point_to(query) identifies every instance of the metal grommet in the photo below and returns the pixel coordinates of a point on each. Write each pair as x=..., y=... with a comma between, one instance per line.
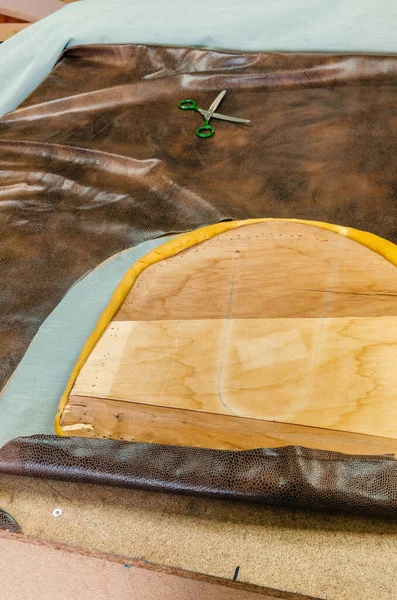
x=56, y=512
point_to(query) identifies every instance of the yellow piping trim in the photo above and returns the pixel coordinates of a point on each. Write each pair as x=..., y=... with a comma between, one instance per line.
x=379, y=245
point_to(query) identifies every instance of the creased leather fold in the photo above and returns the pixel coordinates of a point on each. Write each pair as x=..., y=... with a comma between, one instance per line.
x=99, y=158
x=290, y=476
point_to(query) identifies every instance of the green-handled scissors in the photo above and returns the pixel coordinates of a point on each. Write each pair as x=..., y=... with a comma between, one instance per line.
x=206, y=130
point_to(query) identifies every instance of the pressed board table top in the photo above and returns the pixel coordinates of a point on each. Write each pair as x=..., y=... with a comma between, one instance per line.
x=288, y=554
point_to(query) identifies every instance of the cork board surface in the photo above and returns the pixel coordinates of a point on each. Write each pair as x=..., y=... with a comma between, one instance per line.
x=316, y=555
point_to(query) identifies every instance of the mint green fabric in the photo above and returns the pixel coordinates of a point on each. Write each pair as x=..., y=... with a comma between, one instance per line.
x=29, y=402
x=268, y=25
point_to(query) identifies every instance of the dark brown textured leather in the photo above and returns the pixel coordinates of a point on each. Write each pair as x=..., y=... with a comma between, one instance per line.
x=8, y=523
x=289, y=476
x=100, y=158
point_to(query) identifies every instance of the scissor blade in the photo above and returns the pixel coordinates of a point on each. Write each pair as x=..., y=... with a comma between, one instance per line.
x=214, y=105
x=224, y=117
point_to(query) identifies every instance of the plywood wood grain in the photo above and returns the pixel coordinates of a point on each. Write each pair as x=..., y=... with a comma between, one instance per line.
x=329, y=373
x=271, y=322
x=107, y=417
x=272, y=269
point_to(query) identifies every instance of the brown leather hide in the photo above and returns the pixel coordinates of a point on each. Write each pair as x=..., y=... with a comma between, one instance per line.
x=289, y=476
x=100, y=158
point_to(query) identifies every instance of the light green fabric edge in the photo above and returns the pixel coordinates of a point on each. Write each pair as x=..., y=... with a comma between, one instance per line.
x=29, y=402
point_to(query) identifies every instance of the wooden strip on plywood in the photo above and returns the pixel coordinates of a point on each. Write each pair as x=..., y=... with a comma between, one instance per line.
x=115, y=419
x=331, y=373
x=271, y=322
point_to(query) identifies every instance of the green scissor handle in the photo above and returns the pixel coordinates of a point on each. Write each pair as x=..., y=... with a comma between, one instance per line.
x=206, y=130
x=188, y=105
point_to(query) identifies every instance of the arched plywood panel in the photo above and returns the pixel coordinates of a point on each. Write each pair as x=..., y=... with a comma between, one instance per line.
x=273, y=333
